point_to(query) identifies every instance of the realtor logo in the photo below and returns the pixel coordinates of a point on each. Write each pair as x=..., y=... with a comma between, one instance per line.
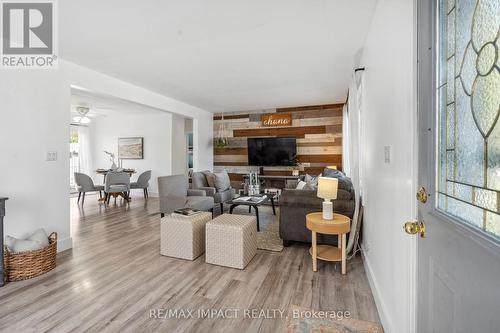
x=28, y=34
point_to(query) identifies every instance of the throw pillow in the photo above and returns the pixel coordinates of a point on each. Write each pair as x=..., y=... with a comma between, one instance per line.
x=311, y=182
x=345, y=183
x=21, y=245
x=210, y=178
x=332, y=173
x=9, y=242
x=300, y=185
x=222, y=181
x=40, y=236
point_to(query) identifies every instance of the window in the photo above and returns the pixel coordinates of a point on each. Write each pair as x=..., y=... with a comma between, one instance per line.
x=74, y=162
x=468, y=111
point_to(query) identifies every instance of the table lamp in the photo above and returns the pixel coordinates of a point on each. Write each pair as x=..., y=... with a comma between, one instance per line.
x=327, y=189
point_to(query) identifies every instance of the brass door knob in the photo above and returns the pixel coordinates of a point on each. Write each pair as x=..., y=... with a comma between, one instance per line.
x=416, y=227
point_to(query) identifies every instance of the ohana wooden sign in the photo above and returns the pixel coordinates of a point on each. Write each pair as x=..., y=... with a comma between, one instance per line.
x=276, y=119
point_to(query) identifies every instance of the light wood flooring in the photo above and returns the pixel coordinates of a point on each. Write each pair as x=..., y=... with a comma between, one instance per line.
x=114, y=276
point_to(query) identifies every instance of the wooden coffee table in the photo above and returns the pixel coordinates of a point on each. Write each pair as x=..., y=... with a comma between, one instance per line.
x=255, y=205
x=340, y=225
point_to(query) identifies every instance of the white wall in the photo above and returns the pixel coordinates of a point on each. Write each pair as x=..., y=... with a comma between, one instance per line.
x=156, y=129
x=203, y=156
x=179, y=146
x=34, y=119
x=389, y=117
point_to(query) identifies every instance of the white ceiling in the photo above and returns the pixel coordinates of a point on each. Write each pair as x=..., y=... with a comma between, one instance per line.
x=221, y=55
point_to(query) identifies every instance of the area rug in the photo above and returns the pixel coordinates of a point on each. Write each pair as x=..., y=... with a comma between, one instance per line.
x=269, y=239
x=304, y=320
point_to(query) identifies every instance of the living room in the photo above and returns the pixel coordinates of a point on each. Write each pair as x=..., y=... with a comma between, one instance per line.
x=316, y=166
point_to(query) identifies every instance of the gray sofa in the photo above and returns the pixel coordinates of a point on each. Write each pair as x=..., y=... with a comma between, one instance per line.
x=296, y=204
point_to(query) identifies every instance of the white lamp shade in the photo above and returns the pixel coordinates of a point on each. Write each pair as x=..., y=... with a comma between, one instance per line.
x=327, y=188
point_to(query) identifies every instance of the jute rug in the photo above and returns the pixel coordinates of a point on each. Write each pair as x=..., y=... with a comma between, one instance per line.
x=300, y=320
x=269, y=239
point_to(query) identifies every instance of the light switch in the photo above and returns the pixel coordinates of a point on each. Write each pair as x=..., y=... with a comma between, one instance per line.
x=387, y=154
x=51, y=156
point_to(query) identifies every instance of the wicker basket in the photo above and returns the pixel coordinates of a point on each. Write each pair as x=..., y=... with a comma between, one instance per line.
x=28, y=264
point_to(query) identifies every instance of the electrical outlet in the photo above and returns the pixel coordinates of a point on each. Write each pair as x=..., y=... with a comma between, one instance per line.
x=51, y=156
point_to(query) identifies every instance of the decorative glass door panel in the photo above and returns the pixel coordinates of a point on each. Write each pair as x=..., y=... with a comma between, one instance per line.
x=468, y=112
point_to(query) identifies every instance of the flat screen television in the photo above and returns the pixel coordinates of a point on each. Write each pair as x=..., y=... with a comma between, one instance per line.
x=272, y=151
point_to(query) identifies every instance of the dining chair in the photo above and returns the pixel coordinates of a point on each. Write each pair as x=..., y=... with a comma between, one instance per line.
x=117, y=183
x=142, y=183
x=85, y=184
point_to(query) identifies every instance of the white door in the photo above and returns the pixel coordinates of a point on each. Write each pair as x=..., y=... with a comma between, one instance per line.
x=458, y=287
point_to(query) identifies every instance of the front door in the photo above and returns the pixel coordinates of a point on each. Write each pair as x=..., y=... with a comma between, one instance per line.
x=458, y=288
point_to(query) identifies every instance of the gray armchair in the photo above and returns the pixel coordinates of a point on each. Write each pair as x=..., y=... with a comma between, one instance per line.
x=142, y=183
x=117, y=183
x=85, y=184
x=200, y=182
x=174, y=194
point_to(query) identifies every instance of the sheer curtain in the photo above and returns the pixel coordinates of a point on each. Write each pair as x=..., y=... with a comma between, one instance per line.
x=355, y=143
x=84, y=153
x=346, y=166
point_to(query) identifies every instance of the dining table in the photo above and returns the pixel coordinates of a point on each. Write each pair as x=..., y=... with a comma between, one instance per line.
x=104, y=172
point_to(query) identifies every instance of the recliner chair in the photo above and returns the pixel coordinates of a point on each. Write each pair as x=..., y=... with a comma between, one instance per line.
x=199, y=182
x=175, y=194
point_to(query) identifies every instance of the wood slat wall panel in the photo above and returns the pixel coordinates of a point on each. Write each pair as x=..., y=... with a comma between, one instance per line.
x=320, y=158
x=236, y=176
x=315, y=121
x=231, y=158
x=230, y=163
x=311, y=107
x=280, y=131
x=228, y=117
x=318, y=129
x=323, y=136
x=232, y=151
x=335, y=143
x=317, y=114
x=322, y=150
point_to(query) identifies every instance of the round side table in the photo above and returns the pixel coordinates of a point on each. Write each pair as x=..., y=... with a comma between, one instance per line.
x=340, y=225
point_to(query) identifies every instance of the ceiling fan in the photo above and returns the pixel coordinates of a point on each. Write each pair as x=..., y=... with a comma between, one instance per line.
x=82, y=117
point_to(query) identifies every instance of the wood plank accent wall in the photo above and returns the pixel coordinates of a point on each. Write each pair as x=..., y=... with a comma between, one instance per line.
x=318, y=129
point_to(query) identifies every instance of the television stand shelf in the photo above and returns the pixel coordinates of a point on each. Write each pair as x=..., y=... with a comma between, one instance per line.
x=279, y=182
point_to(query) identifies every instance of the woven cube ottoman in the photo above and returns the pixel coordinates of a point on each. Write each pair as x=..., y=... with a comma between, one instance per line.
x=231, y=240
x=183, y=236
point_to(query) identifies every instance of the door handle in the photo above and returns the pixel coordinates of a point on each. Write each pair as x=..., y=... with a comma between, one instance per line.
x=416, y=227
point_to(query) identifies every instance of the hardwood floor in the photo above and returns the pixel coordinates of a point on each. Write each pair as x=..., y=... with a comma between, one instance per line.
x=114, y=276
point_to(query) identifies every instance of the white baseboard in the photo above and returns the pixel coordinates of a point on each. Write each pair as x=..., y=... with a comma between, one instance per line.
x=379, y=299
x=64, y=244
